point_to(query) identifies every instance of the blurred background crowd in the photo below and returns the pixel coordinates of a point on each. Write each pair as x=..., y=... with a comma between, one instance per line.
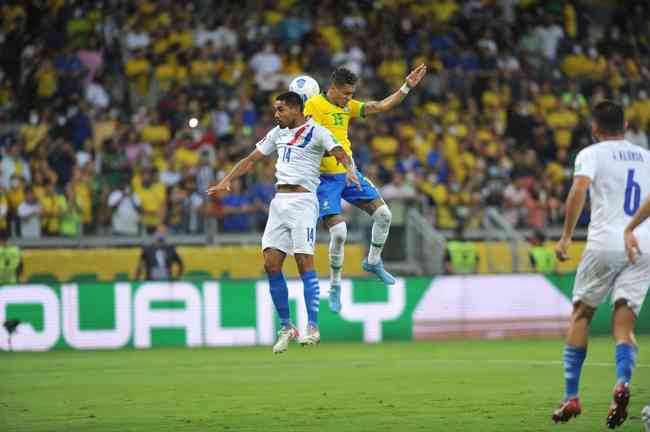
x=115, y=115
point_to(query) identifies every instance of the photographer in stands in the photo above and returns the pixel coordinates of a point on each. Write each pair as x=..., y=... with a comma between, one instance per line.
x=157, y=259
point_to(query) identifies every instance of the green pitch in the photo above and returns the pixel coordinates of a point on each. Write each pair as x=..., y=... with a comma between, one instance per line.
x=438, y=386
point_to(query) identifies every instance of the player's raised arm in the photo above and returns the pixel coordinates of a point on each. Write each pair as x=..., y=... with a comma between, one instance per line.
x=412, y=80
x=631, y=243
x=240, y=169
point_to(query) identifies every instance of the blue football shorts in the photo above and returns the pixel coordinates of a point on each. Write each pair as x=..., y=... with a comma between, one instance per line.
x=333, y=187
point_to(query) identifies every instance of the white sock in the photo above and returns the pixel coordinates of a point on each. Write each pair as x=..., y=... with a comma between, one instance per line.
x=380, y=227
x=338, y=234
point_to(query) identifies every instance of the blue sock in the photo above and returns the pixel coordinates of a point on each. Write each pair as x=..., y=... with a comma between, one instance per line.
x=625, y=362
x=573, y=359
x=280, y=296
x=312, y=296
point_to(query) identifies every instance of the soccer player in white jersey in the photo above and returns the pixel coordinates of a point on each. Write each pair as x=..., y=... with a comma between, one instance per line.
x=293, y=214
x=617, y=175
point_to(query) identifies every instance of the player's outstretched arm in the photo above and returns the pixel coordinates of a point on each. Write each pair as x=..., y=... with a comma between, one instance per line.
x=240, y=169
x=412, y=80
x=631, y=243
x=344, y=159
x=574, y=204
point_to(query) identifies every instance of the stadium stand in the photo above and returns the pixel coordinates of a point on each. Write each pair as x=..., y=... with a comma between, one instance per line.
x=98, y=101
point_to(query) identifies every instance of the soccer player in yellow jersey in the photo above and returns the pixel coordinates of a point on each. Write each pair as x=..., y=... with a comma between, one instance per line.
x=334, y=109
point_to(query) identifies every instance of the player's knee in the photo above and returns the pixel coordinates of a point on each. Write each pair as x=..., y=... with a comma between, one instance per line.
x=581, y=311
x=305, y=263
x=271, y=266
x=339, y=233
x=383, y=215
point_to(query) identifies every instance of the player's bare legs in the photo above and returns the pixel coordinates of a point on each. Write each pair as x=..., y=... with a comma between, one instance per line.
x=578, y=333
x=575, y=352
x=273, y=260
x=624, y=320
x=305, y=265
x=338, y=234
x=381, y=215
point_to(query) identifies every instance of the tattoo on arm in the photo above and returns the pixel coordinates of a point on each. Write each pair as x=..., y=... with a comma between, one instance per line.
x=385, y=104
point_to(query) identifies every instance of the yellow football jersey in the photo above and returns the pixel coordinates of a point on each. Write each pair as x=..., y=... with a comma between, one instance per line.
x=336, y=120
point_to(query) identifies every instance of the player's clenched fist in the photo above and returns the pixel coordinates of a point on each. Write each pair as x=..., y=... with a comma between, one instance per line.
x=561, y=249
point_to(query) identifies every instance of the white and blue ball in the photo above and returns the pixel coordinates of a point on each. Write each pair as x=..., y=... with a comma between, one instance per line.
x=305, y=86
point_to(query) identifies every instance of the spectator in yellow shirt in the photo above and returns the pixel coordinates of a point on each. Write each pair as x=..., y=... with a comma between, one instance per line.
x=203, y=68
x=153, y=197
x=570, y=20
x=16, y=193
x=81, y=188
x=393, y=69
x=46, y=79
x=34, y=131
x=444, y=10
x=137, y=71
x=385, y=144
x=181, y=36
x=563, y=120
x=576, y=64
x=546, y=101
x=155, y=130
x=53, y=204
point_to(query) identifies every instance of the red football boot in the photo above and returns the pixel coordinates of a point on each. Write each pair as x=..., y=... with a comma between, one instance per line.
x=568, y=409
x=618, y=409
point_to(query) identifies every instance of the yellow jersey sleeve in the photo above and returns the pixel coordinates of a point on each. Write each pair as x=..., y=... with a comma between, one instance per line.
x=357, y=108
x=309, y=107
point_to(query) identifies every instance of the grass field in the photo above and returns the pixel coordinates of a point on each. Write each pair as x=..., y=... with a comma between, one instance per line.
x=442, y=386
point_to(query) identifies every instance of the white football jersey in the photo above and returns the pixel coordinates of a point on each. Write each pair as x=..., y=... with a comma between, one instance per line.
x=620, y=174
x=300, y=151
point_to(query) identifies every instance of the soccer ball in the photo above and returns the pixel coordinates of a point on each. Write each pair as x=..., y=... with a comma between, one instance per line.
x=305, y=86
x=645, y=416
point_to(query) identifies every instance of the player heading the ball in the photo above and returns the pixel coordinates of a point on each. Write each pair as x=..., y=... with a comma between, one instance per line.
x=334, y=109
x=291, y=227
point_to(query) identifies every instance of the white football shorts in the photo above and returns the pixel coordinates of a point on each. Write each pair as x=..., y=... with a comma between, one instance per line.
x=600, y=272
x=291, y=226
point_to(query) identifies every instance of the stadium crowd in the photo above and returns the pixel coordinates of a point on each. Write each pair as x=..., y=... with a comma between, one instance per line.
x=116, y=115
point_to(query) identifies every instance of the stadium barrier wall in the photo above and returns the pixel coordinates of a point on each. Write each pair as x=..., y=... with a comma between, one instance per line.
x=237, y=262
x=119, y=264
x=230, y=313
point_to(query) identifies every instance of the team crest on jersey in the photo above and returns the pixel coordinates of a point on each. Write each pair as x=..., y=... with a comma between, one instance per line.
x=326, y=204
